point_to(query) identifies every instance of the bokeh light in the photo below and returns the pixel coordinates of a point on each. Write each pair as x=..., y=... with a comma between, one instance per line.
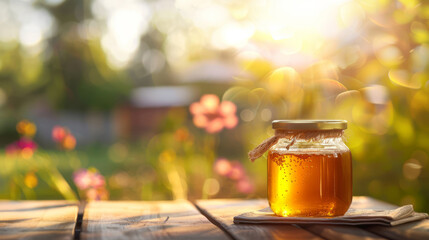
x=412, y=169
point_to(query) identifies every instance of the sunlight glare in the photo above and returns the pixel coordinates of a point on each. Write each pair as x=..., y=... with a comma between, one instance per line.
x=303, y=16
x=126, y=23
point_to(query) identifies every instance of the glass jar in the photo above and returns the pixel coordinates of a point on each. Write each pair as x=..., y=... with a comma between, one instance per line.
x=309, y=169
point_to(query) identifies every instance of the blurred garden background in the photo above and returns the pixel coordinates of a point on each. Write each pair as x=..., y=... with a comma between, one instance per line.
x=150, y=100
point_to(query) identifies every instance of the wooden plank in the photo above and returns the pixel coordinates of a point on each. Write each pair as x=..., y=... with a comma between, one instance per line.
x=413, y=230
x=146, y=220
x=341, y=232
x=221, y=213
x=37, y=219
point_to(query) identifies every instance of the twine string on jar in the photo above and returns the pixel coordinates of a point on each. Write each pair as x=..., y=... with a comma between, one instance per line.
x=292, y=135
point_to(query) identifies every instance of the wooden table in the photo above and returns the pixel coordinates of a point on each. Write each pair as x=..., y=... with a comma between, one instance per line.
x=203, y=219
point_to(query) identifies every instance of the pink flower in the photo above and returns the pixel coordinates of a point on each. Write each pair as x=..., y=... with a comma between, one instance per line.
x=213, y=115
x=25, y=143
x=222, y=167
x=244, y=185
x=237, y=171
x=58, y=133
x=63, y=137
x=98, y=180
x=84, y=179
x=24, y=147
x=92, y=183
x=233, y=170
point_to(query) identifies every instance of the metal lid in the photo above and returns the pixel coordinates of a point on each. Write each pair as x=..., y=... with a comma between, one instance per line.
x=310, y=124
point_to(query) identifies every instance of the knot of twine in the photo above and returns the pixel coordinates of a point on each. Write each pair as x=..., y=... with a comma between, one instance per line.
x=258, y=151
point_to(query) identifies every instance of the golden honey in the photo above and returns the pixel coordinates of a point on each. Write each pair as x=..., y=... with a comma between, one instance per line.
x=309, y=184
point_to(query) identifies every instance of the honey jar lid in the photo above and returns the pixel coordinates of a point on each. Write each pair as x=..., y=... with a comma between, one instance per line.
x=310, y=124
